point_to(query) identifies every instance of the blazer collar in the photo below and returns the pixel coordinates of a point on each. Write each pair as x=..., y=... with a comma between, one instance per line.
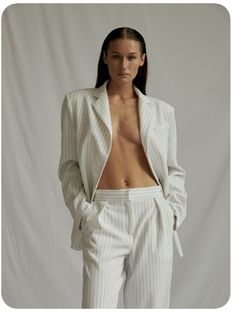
x=145, y=108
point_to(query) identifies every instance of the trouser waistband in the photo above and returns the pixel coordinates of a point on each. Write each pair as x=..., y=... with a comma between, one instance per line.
x=127, y=194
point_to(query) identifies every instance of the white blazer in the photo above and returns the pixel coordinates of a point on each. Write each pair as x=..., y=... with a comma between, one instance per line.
x=86, y=137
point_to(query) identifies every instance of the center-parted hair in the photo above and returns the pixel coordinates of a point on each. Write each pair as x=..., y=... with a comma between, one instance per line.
x=123, y=33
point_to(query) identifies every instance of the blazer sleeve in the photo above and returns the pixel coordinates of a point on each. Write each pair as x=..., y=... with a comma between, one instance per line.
x=69, y=171
x=176, y=174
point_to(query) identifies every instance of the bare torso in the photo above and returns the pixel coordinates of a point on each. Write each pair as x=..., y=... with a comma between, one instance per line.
x=127, y=165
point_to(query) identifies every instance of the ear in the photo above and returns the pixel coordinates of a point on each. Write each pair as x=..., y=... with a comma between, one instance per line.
x=143, y=59
x=104, y=57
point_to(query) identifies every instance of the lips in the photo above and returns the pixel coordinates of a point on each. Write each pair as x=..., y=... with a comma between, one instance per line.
x=123, y=75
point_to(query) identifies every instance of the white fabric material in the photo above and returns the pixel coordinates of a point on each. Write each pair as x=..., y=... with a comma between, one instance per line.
x=128, y=241
x=49, y=49
x=86, y=139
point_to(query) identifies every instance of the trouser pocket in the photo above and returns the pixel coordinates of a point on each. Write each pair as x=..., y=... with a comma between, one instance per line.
x=170, y=211
x=166, y=210
x=90, y=219
x=171, y=218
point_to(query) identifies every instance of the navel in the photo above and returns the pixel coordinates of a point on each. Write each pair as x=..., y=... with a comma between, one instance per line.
x=126, y=182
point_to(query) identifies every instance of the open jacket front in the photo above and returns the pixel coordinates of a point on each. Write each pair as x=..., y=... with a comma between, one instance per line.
x=86, y=139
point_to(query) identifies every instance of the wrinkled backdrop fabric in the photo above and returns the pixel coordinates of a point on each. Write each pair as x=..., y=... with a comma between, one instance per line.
x=50, y=49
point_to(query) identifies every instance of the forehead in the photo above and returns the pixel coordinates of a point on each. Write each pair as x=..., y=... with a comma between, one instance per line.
x=124, y=45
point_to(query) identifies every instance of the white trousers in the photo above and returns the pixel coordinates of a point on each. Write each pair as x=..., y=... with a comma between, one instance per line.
x=128, y=238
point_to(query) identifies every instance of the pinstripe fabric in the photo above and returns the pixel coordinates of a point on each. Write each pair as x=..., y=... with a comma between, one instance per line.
x=86, y=137
x=128, y=239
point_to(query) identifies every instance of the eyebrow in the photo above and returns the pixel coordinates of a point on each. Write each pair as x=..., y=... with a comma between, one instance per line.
x=119, y=53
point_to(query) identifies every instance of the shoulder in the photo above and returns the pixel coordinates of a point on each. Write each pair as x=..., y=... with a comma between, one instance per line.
x=79, y=97
x=161, y=104
x=78, y=93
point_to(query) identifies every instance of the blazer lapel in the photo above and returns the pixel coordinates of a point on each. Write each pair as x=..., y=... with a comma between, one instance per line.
x=146, y=113
x=101, y=106
x=145, y=109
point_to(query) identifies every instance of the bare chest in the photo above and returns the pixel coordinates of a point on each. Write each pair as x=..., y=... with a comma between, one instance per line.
x=125, y=120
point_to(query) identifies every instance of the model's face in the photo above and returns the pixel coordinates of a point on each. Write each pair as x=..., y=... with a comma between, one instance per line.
x=123, y=57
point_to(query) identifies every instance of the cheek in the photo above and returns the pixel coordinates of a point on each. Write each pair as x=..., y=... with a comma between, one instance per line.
x=135, y=67
x=113, y=66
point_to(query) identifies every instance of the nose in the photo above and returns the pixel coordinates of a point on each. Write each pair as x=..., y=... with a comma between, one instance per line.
x=124, y=63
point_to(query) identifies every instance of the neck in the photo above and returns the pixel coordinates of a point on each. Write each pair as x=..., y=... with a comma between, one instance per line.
x=120, y=90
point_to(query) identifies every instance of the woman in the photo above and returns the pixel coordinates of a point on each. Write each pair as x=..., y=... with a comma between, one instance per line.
x=121, y=180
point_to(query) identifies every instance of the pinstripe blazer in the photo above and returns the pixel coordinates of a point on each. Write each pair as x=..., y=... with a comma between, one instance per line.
x=86, y=137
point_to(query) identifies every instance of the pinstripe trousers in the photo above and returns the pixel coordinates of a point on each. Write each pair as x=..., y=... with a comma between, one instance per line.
x=128, y=240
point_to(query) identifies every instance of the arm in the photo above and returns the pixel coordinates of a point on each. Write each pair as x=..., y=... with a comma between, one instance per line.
x=68, y=170
x=177, y=195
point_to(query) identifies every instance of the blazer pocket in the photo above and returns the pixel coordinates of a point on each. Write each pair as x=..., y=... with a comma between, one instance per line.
x=163, y=126
x=160, y=130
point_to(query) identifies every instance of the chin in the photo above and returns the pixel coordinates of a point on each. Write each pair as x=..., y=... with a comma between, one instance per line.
x=119, y=79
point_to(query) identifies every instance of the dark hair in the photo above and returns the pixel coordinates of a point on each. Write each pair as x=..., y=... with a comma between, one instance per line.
x=127, y=33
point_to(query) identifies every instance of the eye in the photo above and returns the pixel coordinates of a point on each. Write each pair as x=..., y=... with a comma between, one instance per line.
x=115, y=56
x=132, y=57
